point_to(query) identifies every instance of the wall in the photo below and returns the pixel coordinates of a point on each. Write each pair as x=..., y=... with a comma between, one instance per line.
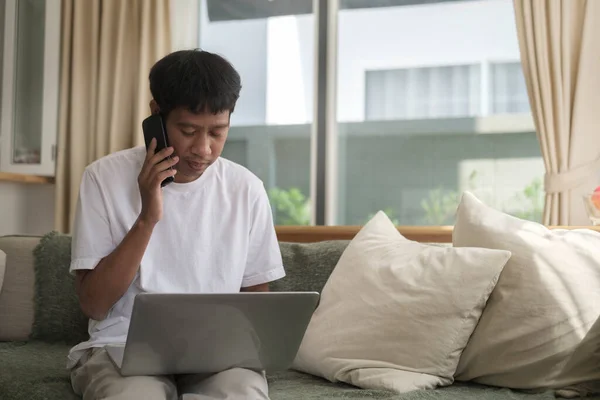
x=27, y=209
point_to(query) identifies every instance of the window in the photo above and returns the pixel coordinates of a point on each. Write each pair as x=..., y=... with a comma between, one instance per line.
x=30, y=75
x=392, y=110
x=445, y=91
x=508, y=91
x=271, y=46
x=440, y=116
x=421, y=93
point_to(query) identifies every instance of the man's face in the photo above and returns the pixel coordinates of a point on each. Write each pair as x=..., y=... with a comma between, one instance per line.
x=197, y=139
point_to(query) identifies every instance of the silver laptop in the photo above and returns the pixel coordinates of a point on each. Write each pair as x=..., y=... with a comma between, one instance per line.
x=209, y=333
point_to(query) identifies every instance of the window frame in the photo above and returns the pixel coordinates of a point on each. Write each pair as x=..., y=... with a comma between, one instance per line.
x=50, y=94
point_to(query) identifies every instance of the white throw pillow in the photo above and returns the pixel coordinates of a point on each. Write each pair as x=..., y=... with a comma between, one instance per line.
x=536, y=331
x=396, y=314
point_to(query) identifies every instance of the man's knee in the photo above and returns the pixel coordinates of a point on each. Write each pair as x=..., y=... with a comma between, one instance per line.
x=135, y=387
x=98, y=379
x=245, y=381
x=236, y=383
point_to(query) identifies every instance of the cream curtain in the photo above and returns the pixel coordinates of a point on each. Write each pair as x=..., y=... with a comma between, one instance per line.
x=107, y=49
x=560, y=54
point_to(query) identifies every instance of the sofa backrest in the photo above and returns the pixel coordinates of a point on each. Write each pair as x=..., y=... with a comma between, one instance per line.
x=38, y=301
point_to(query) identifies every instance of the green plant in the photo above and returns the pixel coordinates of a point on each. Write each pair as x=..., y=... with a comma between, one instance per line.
x=291, y=207
x=441, y=204
x=532, y=200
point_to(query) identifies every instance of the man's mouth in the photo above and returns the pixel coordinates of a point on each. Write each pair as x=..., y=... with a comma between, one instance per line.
x=196, y=165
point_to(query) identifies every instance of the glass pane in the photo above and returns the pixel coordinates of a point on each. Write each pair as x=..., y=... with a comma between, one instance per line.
x=271, y=46
x=508, y=89
x=431, y=102
x=29, y=82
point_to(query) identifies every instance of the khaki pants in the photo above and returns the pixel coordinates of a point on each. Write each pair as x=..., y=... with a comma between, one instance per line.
x=95, y=377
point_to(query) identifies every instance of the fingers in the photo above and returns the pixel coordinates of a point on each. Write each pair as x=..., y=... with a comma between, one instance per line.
x=166, y=163
x=157, y=166
x=151, y=149
x=152, y=159
x=161, y=155
x=164, y=175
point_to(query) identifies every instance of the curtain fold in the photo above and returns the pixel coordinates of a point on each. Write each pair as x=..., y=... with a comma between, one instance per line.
x=559, y=42
x=107, y=50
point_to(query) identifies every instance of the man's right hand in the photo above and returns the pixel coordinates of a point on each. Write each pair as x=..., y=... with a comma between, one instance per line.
x=154, y=171
x=100, y=288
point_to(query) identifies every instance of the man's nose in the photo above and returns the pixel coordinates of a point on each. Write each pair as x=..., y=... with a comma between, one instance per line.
x=201, y=146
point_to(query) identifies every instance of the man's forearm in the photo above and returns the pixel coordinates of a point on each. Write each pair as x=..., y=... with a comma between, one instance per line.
x=264, y=287
x=99, y=289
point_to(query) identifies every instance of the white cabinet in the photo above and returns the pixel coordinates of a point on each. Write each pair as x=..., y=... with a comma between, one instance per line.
x=30, y=86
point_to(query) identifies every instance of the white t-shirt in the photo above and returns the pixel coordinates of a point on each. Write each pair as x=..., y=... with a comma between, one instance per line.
x=216, y=235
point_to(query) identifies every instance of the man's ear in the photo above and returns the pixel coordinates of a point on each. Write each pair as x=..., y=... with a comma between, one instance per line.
x=154, y=108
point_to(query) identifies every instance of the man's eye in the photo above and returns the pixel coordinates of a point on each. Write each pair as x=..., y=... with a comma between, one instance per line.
x=188, y=133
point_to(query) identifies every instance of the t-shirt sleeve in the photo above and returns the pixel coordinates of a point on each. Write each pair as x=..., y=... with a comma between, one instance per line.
x=264, y=263
x=92, y=239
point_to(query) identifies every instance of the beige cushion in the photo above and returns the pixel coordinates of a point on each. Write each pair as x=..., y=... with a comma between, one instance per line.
x=537, y=330
x=396, y=314
x=16, y=296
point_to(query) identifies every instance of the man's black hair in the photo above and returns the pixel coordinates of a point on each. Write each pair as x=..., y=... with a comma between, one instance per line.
x=197, y=80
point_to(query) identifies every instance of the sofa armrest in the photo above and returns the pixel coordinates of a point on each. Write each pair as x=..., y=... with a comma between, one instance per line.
x=16, y=295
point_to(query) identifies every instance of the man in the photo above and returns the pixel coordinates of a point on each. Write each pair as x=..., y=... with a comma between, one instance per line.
x=211, y=230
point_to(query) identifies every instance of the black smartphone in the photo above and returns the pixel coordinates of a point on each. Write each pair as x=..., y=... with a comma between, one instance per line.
x=154, y=127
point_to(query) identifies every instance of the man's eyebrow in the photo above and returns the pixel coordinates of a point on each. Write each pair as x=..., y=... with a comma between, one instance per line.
x=190, y=125
x=220, y=126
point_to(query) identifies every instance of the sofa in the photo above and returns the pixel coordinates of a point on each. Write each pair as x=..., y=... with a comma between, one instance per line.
x=40, y=320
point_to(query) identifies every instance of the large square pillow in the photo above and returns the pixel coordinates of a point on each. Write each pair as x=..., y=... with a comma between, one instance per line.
x=396, y=314
x=537, y=330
